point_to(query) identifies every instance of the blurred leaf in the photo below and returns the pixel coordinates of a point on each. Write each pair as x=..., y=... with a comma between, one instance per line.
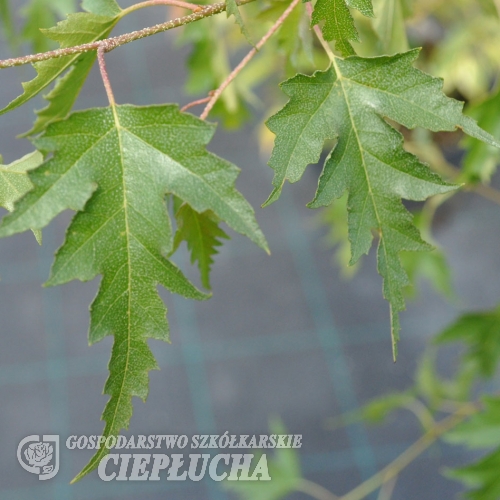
x=480, y=431
x=8, y=23
x=431, y=265
x=294, y=39
x=473, y=40
x=41, y=14
x=427, y=382
x=233, y=10
x=481, y=334
x=377, y=411
x=334, y=218
x=208, y=66
x=436, y=389
x=389, y=24
x=482, y=476
x=284, y=470
x=481, y=160
x=489, y=7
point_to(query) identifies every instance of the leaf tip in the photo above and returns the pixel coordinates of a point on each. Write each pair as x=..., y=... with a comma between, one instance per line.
x=274, y=196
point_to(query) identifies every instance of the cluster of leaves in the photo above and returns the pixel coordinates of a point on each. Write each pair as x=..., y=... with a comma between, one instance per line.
x=132, y=173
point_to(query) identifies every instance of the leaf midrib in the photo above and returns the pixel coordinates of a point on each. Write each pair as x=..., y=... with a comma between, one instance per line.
x=129, y=264
x=361, y=149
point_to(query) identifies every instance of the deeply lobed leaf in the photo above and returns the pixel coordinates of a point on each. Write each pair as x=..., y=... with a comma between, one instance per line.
x=115, y=165
x=83, y=27
x=339, y=24
x=348, y=102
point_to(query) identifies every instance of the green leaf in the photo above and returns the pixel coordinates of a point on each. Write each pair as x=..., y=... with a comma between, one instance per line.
x=202, y=234
x=334, y=218
x=375, y=411
x=233, y=10
x=75, y=30
x=431, y=265
x=294, y=38
x=108, y=8
x=480, y=431
x=42, y=14
x=389, y=24
x=209, y=66
x=489, y=7
x=481, y=160
x=15, y=183
x=481, y=334
x=348, y=102
x=8, y=23
x=482, y=476
x=115, y=165
x=339, y=24
x=284, y=470
x=378, y=410
x=428, y=384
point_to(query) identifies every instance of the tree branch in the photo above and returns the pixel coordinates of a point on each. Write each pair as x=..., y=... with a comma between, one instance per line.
x=315, y=490
x=246, y=59
x=151, y=3
x=104, y=73
x=396, y=466
x=196, y=103
x=117, y=41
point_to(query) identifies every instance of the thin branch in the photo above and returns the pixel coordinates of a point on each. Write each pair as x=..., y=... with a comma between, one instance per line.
x=396, y=466
x=117, y=41
x=151, y=3
x=315, y=490
x=387, y=489
x=104, y=73
x=247, y=58
x=422, y=413
x=196, y=103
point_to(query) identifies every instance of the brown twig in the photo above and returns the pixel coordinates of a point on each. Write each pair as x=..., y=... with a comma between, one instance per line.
x=151, y=3
x=315, y=490
x=246, y=59
x=396, y=466
x=104, y=73
x=117, y=41
x=195, y=103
